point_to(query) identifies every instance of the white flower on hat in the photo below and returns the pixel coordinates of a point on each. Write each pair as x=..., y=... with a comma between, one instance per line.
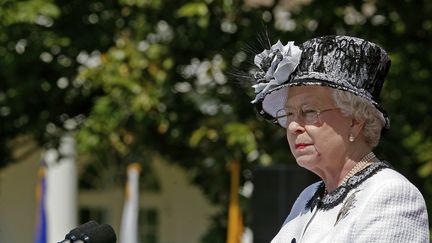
x=276, y=66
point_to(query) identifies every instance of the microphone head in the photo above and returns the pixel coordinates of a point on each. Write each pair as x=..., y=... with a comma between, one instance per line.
x=103, y=233
x=74, y=234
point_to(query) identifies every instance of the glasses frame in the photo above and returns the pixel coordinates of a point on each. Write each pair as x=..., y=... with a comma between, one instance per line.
x=301, y=116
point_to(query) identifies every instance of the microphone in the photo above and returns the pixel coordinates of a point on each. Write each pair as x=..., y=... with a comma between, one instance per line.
x=103, y=233
x=74, y=234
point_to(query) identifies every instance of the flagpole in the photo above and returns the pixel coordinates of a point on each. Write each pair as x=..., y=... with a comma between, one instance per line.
x=129, y=223
x=235, y=221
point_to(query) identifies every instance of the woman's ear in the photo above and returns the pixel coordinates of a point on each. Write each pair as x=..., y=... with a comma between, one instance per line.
x=356, y=127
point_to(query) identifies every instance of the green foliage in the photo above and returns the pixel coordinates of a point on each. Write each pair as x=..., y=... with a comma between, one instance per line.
x=193, y=9
x=32, y=12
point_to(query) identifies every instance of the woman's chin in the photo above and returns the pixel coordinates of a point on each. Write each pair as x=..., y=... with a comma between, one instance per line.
x=306, y=160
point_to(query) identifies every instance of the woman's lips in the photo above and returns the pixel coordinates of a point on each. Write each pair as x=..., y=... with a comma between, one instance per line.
x=301, y=145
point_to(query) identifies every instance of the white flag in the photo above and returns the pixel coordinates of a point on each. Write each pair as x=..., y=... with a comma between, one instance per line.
x=62, y=190
x=129, y=223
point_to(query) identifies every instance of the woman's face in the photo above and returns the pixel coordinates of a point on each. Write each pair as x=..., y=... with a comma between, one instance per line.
x=316, y=139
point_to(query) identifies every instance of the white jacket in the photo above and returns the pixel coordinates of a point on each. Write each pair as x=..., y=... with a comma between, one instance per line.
x=376, y=205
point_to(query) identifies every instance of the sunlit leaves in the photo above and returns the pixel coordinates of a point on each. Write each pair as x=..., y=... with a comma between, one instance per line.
x=193, y=9
x=141, y=3
x=237, y=139
x=198, y=10
x=39, y=12
x=240, y=135
x=203, y=133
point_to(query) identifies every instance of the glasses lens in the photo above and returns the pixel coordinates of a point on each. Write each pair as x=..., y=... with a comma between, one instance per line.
x=310, y=115
x=281, y=117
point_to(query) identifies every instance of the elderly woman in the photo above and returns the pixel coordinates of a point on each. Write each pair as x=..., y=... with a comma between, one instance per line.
x=325, y=94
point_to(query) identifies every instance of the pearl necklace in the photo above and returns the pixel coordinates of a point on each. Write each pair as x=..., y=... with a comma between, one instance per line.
x=363, y=163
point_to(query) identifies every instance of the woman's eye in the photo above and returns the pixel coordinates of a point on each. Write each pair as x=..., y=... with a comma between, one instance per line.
x=290, y=113
x=309, y=111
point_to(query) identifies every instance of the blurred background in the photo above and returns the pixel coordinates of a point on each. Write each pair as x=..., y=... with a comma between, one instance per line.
x=88, y=88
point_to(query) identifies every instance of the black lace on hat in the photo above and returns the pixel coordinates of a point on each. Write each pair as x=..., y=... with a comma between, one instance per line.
x=342, y=62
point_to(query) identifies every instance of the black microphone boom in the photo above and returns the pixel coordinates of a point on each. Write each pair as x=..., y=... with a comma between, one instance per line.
x=74, y=234
x=103, y=233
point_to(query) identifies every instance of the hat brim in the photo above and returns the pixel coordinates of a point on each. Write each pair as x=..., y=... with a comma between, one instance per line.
x=276, y=98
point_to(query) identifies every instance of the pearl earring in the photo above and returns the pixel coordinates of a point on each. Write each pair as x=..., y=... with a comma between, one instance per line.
x=351, y=138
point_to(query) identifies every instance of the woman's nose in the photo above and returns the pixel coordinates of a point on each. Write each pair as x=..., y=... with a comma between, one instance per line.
x=295, y=127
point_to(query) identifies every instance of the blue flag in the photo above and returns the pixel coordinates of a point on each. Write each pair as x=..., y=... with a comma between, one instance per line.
x=41, y=225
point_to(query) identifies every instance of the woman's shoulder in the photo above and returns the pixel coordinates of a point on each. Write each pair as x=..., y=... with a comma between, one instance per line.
x=309, y=191
x=390, y=185
x=394, y=206
x=389, y=177
x=305, y=196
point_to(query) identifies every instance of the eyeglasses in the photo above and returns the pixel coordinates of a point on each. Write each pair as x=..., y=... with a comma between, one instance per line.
x=308, y=115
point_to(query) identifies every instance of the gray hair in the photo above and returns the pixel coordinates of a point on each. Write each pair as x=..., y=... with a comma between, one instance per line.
x=359, y=108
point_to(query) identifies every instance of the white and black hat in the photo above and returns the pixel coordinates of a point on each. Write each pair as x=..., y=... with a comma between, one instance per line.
x=342, y=62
